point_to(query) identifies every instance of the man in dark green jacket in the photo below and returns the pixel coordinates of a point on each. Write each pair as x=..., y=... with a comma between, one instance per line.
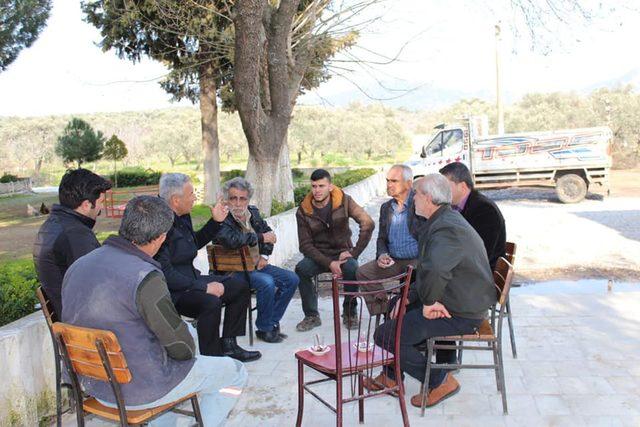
x=453, y=289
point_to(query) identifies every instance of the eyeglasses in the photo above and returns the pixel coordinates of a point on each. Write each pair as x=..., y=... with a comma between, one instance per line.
x=238, y=199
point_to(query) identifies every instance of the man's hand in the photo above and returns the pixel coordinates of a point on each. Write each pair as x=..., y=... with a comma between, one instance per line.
x=215, y=288
x=385, y=261
x=335, y=268
x=435, y=311
x=345, y=255
x=269, y=237
x=219, y=211
x=262, y=263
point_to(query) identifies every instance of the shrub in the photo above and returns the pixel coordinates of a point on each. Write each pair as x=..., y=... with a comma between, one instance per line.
x=352, y=176
x=279, y=207
x=297, y=173
x=227, y=175
x=300, y=192
x=135, y=177
x=18, y=283
x=7, y=177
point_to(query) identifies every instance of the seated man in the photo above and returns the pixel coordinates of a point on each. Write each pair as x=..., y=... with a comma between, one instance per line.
x=454, y=286
x=479, y=211
x=67, y=233
x=121, y=288
x=325, y=241
x=196, y=295
x=397, y=244
x=245, y=227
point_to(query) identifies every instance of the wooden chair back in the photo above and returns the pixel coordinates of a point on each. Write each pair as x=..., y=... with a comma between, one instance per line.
x=348, y=358
x=226, y=260
x=502, y=277
x=510, y=252
x=92, y=352
x=49, y=312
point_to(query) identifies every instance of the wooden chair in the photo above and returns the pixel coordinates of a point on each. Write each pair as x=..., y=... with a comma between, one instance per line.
x=510, y=255
x=485, y=339
x=343, y=360
x=116, y=200
x=51, y=317
x=223, y=260
x=96, y=353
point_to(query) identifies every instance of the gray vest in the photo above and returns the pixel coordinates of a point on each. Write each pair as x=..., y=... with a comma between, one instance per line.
x=99, y=291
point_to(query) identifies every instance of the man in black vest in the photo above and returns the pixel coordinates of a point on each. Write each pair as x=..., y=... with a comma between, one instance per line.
x=196, y=295
x=67, y=234
x=479, y=211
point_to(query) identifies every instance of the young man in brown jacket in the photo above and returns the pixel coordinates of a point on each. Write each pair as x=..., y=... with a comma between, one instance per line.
x=325, y=241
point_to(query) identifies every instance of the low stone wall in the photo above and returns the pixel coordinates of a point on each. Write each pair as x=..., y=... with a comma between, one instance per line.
x=27, y=372
x=26, y=354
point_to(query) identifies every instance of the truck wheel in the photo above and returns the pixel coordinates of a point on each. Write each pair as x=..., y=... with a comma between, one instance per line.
x=571, y=188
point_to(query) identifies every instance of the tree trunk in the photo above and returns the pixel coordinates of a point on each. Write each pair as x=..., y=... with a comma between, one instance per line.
x=210, y=141
x=299, y=157
x=37, y=166
x=283, y=191
x=262, y=174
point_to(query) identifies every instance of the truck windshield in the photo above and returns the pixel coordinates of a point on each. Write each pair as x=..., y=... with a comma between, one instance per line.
x=448, y=140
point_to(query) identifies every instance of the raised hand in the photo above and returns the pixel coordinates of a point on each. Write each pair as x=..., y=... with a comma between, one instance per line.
x=219, y=211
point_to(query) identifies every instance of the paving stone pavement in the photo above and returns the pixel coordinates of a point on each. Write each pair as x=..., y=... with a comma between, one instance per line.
x=578, y=364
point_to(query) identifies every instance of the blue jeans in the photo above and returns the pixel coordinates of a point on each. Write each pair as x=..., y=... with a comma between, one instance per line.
x=218, y=381
x=274, y=287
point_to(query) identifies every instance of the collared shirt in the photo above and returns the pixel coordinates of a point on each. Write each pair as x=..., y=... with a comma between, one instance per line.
x=460, y=207
x=402, y=245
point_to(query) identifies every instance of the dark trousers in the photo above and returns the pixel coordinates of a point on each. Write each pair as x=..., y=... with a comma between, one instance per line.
x=207, y=309
x=416, y=329
x=307, y=269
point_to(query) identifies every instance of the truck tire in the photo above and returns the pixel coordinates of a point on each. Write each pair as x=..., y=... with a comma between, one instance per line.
x=571, y=188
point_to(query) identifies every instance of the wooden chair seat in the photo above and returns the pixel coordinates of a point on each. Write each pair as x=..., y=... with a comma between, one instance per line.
x=140, y=416
x=359, y=360
x=484, y=333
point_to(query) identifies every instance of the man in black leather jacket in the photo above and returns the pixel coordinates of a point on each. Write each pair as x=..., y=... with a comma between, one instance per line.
x=274, y=285
x=67, y=233
x=196, y=295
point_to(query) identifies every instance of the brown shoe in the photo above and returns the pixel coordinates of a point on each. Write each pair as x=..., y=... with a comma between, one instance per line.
x=448, y=388
x=378, y=383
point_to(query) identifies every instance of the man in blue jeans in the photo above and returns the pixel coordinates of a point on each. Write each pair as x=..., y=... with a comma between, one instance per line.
x=275, y=286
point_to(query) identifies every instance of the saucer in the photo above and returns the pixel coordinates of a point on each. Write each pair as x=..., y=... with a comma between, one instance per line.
x=319, y=353
x=361, y=348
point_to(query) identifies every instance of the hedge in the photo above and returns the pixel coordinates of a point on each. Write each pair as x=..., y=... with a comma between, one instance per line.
x=18, y=283
x=135, y=177
x=7, y=177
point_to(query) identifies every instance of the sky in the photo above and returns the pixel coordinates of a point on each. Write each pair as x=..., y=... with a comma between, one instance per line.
x=449, y=52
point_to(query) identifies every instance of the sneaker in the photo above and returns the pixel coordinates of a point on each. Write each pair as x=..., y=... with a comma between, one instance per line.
x=448, y=388
x=308, y=323
x=351, y=322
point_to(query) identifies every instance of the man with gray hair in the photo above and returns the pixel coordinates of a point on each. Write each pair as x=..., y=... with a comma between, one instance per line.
x=397, y=244
x=453, y=290
x=194, y=294
x=120, y=287
x=274, y=285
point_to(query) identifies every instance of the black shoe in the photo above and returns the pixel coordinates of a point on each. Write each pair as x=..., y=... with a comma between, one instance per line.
x=277, y=329
x=231, y=348
x=269, y=336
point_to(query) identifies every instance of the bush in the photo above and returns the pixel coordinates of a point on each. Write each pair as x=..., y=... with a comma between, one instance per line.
x=297, y=173
x=227, y=175
x=18, y=283
x=279, y=207
x=135, y=177
x=352, y=176
x=7, y=177
x=300, y=192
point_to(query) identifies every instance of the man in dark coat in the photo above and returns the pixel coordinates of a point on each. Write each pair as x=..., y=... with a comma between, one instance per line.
x=196, y=295
x=67, y=234
x=479, y=211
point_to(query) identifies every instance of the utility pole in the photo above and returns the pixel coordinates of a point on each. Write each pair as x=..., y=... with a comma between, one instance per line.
x=499, y=83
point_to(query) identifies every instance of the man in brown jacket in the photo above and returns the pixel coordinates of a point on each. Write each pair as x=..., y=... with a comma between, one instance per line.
x=325, y=241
